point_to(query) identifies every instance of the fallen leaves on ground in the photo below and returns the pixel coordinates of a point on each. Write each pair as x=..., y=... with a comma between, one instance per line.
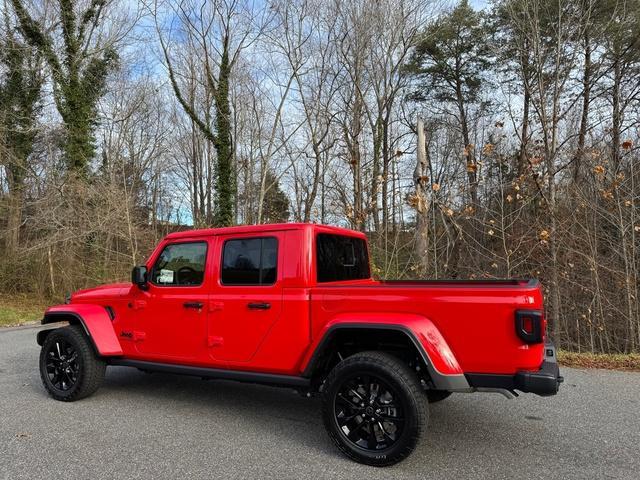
x=627, y=362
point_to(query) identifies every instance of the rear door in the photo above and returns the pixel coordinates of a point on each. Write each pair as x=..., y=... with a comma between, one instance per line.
x=246, y=300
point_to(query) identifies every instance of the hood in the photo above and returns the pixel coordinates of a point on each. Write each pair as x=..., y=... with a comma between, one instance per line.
x=110, y=290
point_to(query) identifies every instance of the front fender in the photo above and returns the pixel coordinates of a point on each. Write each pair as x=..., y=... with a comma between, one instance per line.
x=94, y=319
x=444, y=369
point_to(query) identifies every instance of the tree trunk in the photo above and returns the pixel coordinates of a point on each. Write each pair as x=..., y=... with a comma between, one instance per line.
x=14, y=219
x=385, y=175
x=470, y=156
x=524, y=140
x=354, y=152
x=224, y=178
x=375, y=173
x=308, y=207
x=617, y=114
x=586, y=98
x=421, y=201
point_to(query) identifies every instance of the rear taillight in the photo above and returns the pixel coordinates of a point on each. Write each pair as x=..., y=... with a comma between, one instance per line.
x=530, y=325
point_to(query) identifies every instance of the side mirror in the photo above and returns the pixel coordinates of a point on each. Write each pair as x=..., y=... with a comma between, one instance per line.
x=139, y=277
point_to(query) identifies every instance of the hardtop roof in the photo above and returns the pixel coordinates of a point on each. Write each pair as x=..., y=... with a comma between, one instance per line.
x=269, y=227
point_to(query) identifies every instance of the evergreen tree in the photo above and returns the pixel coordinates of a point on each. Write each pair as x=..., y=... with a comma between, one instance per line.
x=225, y=184
x=78, y=75
x=276, y=204
x=217, y=84
x=450, y=60
x=20, y=87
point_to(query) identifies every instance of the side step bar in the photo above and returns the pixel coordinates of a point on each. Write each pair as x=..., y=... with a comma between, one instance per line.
x=203, y=372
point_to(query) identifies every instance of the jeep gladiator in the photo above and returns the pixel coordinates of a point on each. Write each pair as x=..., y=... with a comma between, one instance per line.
x=294, y=305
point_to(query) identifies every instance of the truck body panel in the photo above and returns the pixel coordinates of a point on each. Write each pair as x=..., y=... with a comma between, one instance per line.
x=475, y=319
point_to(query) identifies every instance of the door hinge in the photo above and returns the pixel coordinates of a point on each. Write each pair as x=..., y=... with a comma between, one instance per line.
x=137, y=304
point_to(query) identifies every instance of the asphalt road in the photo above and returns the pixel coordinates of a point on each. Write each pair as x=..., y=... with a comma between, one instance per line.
x=162, y=426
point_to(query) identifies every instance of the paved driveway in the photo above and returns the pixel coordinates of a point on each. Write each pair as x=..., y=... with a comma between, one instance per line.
x=162, y=426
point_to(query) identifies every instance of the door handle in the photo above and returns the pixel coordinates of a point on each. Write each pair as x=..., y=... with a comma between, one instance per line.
x=259, y=306
x=196, y=305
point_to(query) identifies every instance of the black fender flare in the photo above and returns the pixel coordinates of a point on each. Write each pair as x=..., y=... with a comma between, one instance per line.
x=452, y=383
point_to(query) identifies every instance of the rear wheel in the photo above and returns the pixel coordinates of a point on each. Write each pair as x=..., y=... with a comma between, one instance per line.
x=69, y=367
x=374, y=408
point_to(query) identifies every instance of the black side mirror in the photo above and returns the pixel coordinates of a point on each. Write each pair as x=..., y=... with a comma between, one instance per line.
x=139, y=277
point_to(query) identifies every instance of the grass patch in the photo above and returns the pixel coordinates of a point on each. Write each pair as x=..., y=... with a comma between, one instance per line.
x=628, y=362
x=19, y=310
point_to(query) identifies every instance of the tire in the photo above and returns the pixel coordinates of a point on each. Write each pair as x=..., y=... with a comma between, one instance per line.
x=392, y=423
x=69, y=367
x=436, y=396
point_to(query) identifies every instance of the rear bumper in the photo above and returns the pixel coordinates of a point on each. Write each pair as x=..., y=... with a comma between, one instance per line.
x=544, y=382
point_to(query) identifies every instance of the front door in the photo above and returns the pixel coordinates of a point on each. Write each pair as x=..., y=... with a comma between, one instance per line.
x=247, y=298
x=170, y=316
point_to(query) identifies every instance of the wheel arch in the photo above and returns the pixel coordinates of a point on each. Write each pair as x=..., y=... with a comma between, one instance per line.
x=384, y=331
x=95, y=321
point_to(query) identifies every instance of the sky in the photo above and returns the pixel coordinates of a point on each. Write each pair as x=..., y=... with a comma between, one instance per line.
x=479, y=4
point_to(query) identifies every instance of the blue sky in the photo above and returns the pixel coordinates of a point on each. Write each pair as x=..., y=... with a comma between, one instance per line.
x=479, y=4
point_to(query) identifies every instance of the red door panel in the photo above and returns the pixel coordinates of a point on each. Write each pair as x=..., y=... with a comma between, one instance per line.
x=246, y=300
x=170, y=316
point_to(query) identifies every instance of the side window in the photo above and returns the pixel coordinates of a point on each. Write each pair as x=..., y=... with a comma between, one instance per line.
x=250, y=261
x=341, y=258
x=180, y=264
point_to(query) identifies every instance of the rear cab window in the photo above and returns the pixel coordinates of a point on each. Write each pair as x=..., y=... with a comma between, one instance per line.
x=341, y=258
x=249, y=261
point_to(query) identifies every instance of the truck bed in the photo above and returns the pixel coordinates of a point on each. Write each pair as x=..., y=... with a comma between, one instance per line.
x=475, y=317
x=509, y=282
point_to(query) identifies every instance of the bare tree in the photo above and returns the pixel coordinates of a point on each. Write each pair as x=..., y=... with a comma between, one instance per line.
x=218, y=31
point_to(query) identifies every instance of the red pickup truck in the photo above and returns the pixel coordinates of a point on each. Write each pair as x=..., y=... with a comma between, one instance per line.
x=294, y=305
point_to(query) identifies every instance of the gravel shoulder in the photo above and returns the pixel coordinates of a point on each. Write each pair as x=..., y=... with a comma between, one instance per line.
x=163, y=426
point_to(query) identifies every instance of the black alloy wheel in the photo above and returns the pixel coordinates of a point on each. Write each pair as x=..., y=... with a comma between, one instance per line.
x=374, y=408
x=62, y=365
x=70, y=368
x=369, y=412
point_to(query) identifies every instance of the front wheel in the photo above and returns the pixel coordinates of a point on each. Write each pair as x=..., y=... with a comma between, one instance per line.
x=374, y=408
x=69, y=367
